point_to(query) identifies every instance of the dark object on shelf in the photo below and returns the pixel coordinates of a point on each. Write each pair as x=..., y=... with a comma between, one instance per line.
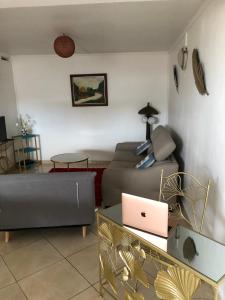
x=183, y=58
x=175, y=76
x=189, y=249
x=26, y=163
x=198, y=72
x=64, y=46
x=148, y=111
x=3, y=134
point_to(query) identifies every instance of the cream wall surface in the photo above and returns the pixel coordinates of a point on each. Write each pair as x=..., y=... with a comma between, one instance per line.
x=199, y=120
x=43, y=91
x=7, y=97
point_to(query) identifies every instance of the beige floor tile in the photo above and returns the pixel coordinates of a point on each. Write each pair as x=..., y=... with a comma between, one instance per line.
x=12, y=292
x=69, y=240
x=147, y=293
x=6, y=277
x=86, y=261
x=58, y=282
x=32, y=258
x=106, y=295
x=89, y=294
x=18, y=239
x=93, y=227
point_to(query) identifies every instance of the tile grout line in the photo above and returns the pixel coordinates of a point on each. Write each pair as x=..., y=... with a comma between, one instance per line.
x=41, y=269
x=66, y=258
x=19, y=248
x=79, y=293
x=50, y=265
x=15, y=279
x=76, y=252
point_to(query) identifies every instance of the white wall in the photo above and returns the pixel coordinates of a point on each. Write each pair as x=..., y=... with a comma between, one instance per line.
x=200, y=120
x=7, y=97
x=43, y=91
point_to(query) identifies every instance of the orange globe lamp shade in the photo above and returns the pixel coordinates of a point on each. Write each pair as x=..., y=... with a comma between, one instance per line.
x=64, y=46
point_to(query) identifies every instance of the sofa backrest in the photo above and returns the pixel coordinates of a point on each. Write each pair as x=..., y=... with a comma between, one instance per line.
x=46, y=200
x=162, y=143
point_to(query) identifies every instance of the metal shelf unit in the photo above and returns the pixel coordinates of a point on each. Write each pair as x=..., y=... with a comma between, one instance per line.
x=27, y=150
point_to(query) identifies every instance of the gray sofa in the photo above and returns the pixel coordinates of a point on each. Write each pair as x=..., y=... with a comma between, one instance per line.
x=46, y=200
x=122, y=176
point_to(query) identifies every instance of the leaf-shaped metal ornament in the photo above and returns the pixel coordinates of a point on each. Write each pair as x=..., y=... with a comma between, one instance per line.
x=133, y=296
x=140, y=251
x=134, y=267
x=125, y=274
x=108, y=273
x=172, y=187
x=175, y=284
x=199, y=73
x=110, y=233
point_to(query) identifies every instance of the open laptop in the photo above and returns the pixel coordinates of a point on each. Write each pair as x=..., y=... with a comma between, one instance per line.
x=145, y=214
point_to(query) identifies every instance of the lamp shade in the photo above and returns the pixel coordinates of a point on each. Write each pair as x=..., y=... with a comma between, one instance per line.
x=64, y=46
x=148, y=111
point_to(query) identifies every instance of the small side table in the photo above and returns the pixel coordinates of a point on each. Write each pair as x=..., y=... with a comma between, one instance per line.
x=69, y=158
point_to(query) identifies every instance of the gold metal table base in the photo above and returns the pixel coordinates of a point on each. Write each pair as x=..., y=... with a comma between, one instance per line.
x=123, y=257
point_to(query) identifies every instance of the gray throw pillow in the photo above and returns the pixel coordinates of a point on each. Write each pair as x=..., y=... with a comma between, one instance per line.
x=147, y=162
x=143, y=147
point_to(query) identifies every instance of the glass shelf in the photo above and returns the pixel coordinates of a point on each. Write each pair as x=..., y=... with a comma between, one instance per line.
x=27, y=149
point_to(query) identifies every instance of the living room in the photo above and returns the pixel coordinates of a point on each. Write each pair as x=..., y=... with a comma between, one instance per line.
x=145, y=48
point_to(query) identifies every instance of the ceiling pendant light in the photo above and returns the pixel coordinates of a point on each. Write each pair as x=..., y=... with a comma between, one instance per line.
x=64, y=46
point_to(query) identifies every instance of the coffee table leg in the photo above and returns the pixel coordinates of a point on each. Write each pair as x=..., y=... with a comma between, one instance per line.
x=87, y=163
x=68, y=166
x=54, y=165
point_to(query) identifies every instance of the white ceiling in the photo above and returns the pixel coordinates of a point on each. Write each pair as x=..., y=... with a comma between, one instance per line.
x=104, y=27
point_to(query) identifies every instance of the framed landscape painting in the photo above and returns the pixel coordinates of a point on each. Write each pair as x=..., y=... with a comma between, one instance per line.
x=89, y=89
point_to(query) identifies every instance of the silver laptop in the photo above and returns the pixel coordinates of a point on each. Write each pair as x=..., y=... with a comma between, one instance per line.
x=145, y=214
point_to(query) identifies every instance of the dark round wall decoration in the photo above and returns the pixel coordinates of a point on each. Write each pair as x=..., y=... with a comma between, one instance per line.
x=199, y=73
x=64, y=46
x=175, y=76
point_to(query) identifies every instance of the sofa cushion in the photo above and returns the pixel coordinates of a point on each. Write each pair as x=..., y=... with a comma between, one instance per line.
x=121, y=165
x=162, y=143
x=127, y=146
x=147, y=162
x=143, y=147
x=127, y=156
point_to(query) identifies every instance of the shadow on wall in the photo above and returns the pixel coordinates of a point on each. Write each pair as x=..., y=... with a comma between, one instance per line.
x=214, y=214
x=98, y=155
x=179, y=146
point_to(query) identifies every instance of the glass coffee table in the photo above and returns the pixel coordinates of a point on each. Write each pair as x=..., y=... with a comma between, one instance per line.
x=69, y=158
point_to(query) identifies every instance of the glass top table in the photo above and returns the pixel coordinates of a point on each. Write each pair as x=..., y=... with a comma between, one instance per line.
x=207, y=259
x=69, y=158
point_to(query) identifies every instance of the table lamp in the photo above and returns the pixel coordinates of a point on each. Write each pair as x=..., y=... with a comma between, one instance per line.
x=148, y=111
